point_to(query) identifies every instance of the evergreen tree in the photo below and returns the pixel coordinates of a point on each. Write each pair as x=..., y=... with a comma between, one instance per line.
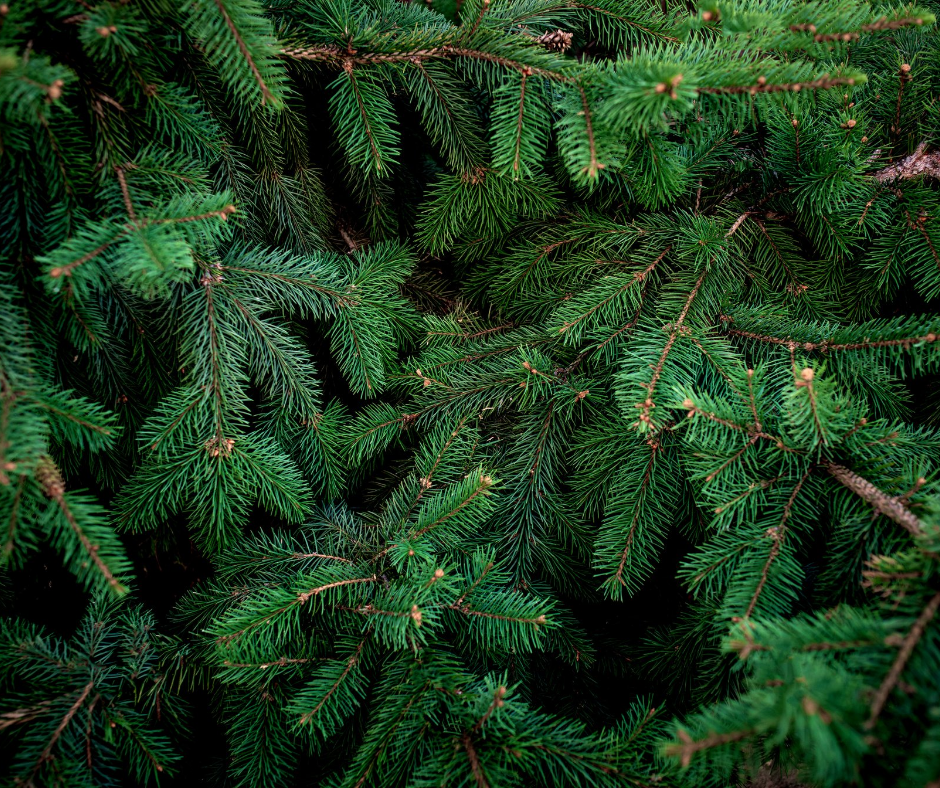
x=479, y=393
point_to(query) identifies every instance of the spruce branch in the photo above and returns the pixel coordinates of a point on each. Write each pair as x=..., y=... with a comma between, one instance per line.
x=826, y=347
x=890, y=507
x=341, y=58
x=49, y=477
x=919, y=163
x=689, y=746
x=776, y=535
x=266, y=95
x=46, y=754
x=645, y=407
x=897, y=668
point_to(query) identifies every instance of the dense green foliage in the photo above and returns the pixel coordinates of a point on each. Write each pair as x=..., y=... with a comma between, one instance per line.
x=490, y=393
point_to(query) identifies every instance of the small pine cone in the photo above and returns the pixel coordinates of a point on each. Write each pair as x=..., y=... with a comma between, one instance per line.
x=556, y=40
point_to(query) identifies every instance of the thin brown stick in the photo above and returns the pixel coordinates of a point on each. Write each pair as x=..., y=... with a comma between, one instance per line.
x=910, y=643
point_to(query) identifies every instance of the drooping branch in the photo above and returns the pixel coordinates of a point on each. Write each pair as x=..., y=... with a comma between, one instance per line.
x=635, y=521
x=243, y=48
x=48, y=476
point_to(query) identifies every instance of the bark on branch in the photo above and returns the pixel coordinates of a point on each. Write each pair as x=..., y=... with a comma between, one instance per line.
x=920, y=162
x=887, y=505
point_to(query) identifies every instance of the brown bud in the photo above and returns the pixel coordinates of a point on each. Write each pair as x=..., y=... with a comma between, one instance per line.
x=865, y=139
x=762, y=80
x=662, y=87
x=905, y=68
x=795, y=122
x=807, y=374
x=55, y=90
x=4, y=9
x=707, y=16
x=438, y=573
x=851, y=123
x=687, y=403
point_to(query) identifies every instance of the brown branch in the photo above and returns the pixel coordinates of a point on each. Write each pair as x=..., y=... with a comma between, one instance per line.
x=826, y=347
x=496, y=703
x=885, y=504
x=303, y=597
x=473, y=585
x=340, y=57
x=485, y=483
x=689, y=747
x=280, y=661
x=126, y=194
x=639, y=276
x=644, y=484
x=368, y=126
x=467, y=742
x=918, y=163
x=18, y=716
x=823, y=83
x=777, y=535
x=47, y=751
x=66, y=270
x=518, y=151
x=48, y=476
x=647, y=405
x=737, y=223
x=466, y=336
x=81, y=422
x=350, y=664
x=535, y=622
x=907, y=648
x=593, y=164
x=624, y=19
x=265, y=93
